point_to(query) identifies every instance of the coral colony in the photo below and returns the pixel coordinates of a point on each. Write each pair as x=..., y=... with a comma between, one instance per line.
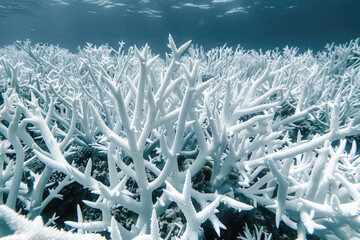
x=163, y=146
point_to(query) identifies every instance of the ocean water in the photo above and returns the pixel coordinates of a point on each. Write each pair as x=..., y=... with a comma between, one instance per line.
x=328, y=81
x=259, y=24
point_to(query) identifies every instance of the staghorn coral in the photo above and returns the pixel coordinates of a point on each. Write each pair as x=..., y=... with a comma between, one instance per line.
x=260, y=127
x=22, y=228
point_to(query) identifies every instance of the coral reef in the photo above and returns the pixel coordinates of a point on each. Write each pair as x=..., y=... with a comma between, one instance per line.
x=158, y=147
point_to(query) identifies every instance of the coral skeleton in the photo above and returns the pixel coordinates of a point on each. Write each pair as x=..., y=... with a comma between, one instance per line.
x=25, y=229
x=178, y=139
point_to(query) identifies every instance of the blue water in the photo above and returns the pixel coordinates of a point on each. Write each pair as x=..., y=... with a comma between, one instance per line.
x=264, y=24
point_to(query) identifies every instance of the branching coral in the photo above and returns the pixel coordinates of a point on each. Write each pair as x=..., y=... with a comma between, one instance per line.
x=263, y=125
x=25, y=229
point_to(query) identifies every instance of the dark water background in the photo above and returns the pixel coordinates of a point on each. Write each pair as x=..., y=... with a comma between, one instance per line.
x=264, y=24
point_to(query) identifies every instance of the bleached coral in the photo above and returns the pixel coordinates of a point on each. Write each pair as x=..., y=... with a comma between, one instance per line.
x=25, y=229
x=263, y=125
